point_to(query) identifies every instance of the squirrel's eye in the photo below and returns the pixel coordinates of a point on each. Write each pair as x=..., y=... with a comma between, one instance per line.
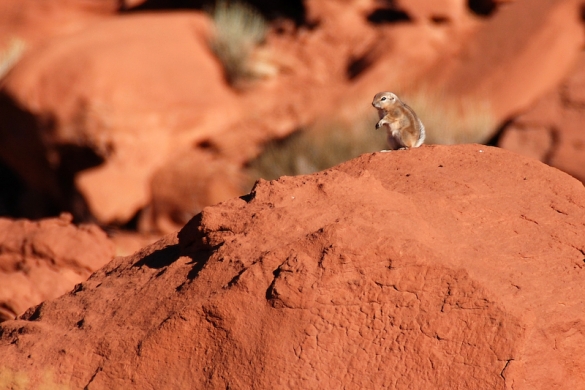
x=384, y=98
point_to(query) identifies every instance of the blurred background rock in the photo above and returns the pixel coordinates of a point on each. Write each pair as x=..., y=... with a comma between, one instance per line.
x=135, y=115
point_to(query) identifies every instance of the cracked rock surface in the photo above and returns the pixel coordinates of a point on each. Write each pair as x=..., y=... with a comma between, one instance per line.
x=439, y=267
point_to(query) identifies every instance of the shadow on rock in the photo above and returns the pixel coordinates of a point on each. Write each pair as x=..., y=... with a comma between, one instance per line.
x=160, y=258
x=198, y=260
x=168, y=255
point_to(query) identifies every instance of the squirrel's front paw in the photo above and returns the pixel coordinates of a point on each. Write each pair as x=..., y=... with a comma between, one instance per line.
x=378, y=125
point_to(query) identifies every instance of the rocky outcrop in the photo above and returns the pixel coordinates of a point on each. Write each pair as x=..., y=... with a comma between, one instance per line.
x=503, y=62
x=100, y=113
x=552, y=130
x=438, y=267
x=104, y=108
x=42, y=260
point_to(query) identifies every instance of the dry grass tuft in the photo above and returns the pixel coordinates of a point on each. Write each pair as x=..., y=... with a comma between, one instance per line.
x=317, y=148
x=239, y=31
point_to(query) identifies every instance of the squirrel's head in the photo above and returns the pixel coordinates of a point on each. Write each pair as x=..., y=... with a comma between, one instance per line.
x=382, y=100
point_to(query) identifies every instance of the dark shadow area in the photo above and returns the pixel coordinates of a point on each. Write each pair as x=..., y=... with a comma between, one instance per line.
x=193, y=245
x=271, y=10
x=482, y=7
x=208, y=145
x=198, y=260
x=31, y=186
x=160, y=258
x=33, y=313
x=168, y=255
x=75, y=158
x=495, y=140
x=438, y=19
x=291, y=9
x=78, y=288
x=388, y=15
x=132, y=224
x=270, y=292
x=358, y=65
x=236, y=278
x=12, y=189
x=249, y=196
x=24, y=156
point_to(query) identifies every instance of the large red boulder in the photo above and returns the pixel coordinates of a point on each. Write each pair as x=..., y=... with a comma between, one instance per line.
x=41, y=260
x=102, y=111
x=99, y=114
x=439, y=267
x=111, y=104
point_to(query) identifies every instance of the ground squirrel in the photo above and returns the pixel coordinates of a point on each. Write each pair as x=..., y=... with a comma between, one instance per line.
x=404, y=128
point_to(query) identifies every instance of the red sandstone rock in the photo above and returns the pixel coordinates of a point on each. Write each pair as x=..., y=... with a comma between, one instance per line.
x=36, y=20
x=444, y=11
x=376, y=53
x=552, y=130
x=130, y=94
x=185, y=185
x=438, y=267
x=42, y=260
x=505, y=61
x=131, y=90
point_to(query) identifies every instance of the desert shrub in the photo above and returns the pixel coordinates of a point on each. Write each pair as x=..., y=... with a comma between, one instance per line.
x=450, y=119
x=238, y=31
x=319, y=147
x=10, y=55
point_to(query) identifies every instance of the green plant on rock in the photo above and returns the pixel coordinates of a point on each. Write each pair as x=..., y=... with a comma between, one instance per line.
x=319, y=147
x=238, y=32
